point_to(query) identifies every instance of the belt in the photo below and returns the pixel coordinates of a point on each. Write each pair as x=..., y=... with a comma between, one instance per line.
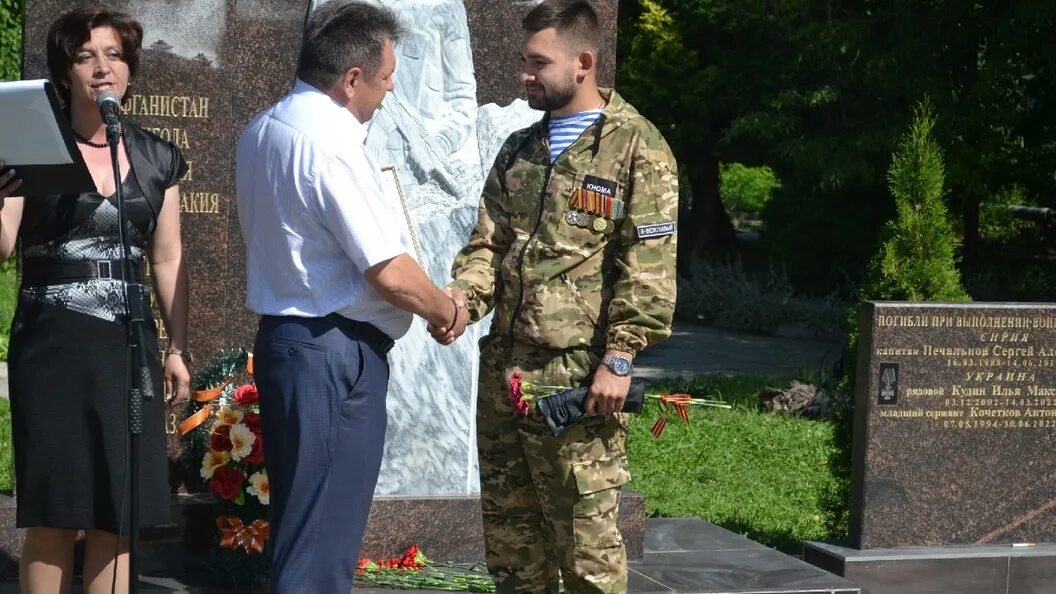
x=50, y=271
x=364, y=330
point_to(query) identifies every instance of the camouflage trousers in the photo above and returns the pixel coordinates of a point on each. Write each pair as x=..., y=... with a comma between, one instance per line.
x=549, y=503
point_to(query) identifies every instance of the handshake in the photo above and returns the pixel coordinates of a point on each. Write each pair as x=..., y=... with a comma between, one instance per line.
x=447, y=335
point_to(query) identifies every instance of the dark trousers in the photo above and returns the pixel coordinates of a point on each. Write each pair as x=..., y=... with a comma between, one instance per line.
x=322, y=384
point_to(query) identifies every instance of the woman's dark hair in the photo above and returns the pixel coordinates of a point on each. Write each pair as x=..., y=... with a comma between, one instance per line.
x=71, y=30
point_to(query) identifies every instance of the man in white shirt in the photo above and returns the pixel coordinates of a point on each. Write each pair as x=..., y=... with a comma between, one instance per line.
x=329, y=269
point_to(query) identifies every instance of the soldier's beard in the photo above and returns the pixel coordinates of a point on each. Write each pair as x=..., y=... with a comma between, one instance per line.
x=555, y=98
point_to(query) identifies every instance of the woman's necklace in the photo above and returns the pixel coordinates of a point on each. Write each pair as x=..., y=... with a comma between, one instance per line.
x=84, y=140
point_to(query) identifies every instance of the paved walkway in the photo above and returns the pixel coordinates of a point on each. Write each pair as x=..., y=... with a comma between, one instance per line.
x=696, y=350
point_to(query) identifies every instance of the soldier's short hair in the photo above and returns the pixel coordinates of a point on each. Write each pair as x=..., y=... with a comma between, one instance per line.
x=343, y=34
x=576, y=21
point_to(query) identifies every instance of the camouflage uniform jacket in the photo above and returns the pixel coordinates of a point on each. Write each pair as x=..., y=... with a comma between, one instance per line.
x=559, y=285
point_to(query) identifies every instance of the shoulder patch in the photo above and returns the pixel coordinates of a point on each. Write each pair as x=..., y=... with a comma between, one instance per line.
x=656, y=230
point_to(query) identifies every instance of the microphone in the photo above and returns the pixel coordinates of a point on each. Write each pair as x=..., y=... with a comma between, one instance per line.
x=109, y=109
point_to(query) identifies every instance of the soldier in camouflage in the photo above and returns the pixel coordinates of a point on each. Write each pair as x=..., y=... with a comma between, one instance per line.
x=576, y=254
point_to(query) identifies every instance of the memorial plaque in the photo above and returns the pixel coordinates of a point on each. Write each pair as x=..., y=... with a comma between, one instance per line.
x=955, y=425
x=208, y=66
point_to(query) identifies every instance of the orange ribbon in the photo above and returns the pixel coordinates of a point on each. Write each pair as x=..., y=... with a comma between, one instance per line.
x=658, y=427
x=192, y=422
x=680, y=401
x=234, y=534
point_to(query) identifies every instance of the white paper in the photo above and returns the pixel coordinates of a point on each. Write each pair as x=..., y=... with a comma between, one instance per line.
x=29, y=134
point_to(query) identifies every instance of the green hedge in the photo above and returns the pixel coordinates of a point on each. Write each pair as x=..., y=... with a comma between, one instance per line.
x=11, y=38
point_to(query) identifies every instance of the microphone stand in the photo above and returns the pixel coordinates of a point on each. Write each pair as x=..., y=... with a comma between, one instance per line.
x=137, y=373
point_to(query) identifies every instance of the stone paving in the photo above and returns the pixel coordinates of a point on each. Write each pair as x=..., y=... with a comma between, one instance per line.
x=682, y=555
x=695, y=350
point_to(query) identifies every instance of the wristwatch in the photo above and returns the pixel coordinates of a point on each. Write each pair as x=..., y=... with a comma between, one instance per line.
x=620, y=366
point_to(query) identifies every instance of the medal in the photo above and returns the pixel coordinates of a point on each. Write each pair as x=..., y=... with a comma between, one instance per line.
x=572, y=218
x=599, y=224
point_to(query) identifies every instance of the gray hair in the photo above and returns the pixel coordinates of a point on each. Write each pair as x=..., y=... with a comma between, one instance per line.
x=343, y=34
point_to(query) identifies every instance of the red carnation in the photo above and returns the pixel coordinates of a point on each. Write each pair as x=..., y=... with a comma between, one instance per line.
x=246, y=394
x=220, y=442
x=256, y=455
x=252, y=420
x=515, y=386
x=517, y=393
x=227, y=482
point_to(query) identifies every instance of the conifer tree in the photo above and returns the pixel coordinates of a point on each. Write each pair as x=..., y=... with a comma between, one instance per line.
x=916, y=262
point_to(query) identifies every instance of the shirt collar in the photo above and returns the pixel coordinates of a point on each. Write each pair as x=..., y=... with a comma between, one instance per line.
x=328, y=107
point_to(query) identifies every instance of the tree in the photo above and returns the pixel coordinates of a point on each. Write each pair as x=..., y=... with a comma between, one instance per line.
x=818, y=90
x=915, y=262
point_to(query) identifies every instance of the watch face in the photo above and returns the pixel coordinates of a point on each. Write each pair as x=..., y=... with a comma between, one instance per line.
x=621, y=366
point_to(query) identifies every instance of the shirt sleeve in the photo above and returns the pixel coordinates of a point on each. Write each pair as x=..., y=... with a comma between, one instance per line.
x=643, y=304
x=177, y=167
x=355, y=210
x=477, y=266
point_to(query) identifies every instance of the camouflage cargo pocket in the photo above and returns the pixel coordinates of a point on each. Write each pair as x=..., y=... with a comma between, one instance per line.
x=595, y=512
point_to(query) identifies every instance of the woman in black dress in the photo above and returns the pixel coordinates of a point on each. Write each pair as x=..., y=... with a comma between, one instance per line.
x=67, y=356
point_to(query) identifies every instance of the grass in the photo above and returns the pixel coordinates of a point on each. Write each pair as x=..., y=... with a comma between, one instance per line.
x=762, y=475
x=758, y=474
x=8, y=298
x=6, y=455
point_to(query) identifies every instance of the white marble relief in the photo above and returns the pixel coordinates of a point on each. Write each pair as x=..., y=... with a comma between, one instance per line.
x=431, y=128
x=187, y=28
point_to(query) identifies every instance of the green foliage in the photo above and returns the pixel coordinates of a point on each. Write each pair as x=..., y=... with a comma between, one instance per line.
x=758, y=474
x=11, y=12
x=996, y=223
x=746, y=189
x=7, y=454
x=819, y=91
x=725, y=295
x=8, y=301
x=225, y=371
x=916, y=262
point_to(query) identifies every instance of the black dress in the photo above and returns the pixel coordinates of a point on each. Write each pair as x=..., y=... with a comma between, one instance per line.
x=67, y=364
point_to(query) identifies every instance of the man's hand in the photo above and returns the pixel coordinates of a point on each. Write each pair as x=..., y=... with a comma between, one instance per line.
x=447, y=336
x=608, y=391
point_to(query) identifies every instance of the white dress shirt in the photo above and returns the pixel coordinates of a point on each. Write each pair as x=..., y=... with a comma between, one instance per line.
x=313, y=213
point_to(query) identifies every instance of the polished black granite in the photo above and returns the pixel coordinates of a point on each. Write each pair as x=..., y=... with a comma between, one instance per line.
x=983, y=569
x=682, y=555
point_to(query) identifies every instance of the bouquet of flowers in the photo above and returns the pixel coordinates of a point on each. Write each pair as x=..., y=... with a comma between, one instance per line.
x=224, y=446
x=414, y=571
x=562, y=406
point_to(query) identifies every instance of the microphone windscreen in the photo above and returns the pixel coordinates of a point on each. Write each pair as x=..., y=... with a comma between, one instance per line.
x=107, y=97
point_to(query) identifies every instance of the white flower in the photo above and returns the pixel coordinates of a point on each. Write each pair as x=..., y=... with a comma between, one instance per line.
x=260, y=486
x=227, y=416
x=241, y=441
x=212, y=461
